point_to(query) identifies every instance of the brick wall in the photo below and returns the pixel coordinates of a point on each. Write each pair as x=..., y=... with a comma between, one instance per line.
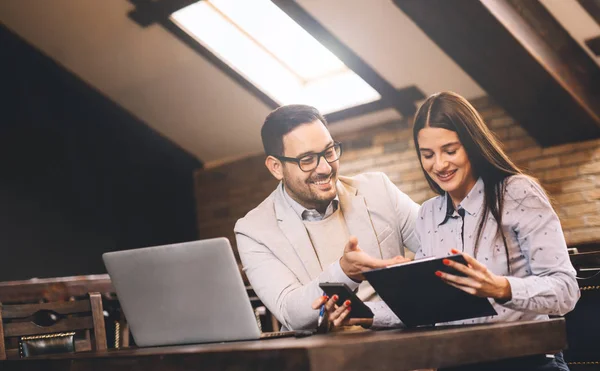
x=570, y=173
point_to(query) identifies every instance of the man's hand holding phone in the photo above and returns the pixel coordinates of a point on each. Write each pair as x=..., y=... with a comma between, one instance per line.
x=342, y=307
x=337, y=314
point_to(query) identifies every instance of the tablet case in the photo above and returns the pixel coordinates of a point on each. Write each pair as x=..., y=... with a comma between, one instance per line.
x=419, y=297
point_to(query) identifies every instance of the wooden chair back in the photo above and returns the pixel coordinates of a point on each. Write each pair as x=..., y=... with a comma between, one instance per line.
x=18, y=321
x=583, y=323
x=53, y=289
x=37, y=290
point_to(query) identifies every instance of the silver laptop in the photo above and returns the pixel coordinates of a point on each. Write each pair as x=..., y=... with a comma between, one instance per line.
x=182, y=293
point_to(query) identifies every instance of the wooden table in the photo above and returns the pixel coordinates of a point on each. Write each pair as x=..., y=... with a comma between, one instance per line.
x=368, y=350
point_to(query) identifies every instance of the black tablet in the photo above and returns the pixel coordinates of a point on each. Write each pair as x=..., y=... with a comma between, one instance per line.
x=419, y=297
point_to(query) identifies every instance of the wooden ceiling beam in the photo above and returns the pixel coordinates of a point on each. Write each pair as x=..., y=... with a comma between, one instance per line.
x=521, y=56
x=147, y=12
x=592, y=7
x=389, y=94
x=594, y=45
x=412, y=93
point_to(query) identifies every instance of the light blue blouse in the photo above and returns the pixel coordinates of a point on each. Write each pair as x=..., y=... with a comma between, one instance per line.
x=542, y=278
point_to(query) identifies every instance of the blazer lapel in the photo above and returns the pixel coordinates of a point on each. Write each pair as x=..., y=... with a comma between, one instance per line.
x=358, y=220
x=293, y=228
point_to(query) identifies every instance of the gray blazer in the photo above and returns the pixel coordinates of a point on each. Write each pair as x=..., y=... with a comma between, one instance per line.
x=280, y=261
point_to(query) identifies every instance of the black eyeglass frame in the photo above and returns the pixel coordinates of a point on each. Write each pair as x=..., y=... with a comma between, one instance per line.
x=318, y=154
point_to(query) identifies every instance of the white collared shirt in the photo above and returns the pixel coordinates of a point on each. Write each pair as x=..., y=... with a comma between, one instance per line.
x=310, y=215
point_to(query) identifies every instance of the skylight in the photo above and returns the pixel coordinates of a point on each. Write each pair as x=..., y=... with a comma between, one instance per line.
x=262, y=43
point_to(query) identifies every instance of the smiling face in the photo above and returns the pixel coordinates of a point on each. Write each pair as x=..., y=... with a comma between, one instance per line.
x=445, y=160
x=314, y=189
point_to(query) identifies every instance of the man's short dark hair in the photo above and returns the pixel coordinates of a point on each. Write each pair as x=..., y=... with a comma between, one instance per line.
x=283, y=120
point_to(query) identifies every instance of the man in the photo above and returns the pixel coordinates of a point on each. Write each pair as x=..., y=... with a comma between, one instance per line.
x=315, y=226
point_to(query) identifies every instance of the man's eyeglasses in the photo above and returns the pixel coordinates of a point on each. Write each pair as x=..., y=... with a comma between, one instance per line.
x=310, y=162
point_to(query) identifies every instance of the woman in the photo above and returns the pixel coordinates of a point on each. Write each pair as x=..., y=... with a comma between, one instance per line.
x=500, y=220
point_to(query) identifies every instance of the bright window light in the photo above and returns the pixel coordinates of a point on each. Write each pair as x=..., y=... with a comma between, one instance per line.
x=262, y=43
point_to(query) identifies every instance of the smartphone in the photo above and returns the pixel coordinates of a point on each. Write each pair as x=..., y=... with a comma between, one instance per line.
x=359, y=309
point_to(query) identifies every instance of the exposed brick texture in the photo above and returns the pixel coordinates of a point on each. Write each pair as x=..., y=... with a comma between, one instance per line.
x=570, y=173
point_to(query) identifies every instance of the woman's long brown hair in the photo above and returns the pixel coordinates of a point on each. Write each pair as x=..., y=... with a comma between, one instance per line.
x=450, y=111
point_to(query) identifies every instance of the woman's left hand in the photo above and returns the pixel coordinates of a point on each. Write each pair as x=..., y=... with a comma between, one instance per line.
x=479, y=281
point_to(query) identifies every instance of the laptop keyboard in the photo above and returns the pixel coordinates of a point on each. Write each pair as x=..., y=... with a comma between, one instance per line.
x=277, y=334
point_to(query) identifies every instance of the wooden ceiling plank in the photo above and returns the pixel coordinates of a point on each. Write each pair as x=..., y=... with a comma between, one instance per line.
x=523, y=58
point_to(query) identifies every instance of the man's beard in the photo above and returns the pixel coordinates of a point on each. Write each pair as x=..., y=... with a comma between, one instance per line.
x=306, y=195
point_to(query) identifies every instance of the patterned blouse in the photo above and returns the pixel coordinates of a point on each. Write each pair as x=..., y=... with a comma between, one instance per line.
x=542, y=278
